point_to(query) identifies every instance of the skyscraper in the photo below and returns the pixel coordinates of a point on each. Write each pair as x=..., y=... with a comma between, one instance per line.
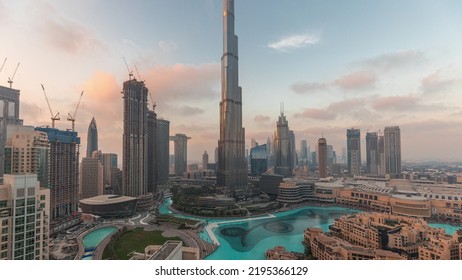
x=64, y=177
x=304, y=151
x=27, y=151
x=392, y=145
x=134, y=172
x=152, y=149
x=25, y=218
x=109, y=163
x=162, y=150
x=9, y=114
x=372, y=153
x=92, y=138
x=283, y=145
x=205, y=160
x=180, y=149
x=381, y=151
x=91, y=177
x=322, y=157
x=354, y=151
x=258, y=160
x=232, y=165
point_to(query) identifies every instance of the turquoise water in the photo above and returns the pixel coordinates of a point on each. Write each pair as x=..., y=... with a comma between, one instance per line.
x=450, y=229
x=91, y=240
x=250, y=239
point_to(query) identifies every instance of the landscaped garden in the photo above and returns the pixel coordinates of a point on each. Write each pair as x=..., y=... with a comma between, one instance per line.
x=127, y=241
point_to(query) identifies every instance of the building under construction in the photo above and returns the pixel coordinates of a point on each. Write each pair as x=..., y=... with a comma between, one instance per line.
x=9, y=114
x=63, y=177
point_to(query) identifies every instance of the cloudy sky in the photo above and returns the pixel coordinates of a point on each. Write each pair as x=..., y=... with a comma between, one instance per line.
x=335, y=64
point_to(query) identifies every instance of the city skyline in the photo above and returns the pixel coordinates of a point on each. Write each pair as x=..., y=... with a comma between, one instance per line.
x=395, y=67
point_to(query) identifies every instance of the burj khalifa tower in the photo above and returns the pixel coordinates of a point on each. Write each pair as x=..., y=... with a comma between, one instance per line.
x=232, y=165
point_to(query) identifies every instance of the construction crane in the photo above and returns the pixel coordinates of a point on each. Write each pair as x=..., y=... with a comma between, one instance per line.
x=53, y=117
x=3, y=64
x=10, y=80
x=72, y=117
x=150, y=95
x=130, y=72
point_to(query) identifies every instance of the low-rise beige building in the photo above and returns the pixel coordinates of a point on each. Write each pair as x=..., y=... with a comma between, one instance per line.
x=370, y=235
x=324, y=247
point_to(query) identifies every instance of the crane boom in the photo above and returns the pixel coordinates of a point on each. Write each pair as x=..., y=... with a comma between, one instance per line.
x=80, y=99
x=10, y=80
x=130, y=72
x=53, y=117
x=3, y=64
x=72, y=117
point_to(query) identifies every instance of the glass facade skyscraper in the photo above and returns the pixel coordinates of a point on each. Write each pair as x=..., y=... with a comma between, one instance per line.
x=258, y=160
x=92, y=138
x=354, y=151
x=232, y=164
x=392, y=145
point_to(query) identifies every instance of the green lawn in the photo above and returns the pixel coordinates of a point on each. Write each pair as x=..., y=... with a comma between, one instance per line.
x=133, y=240
x=169, y=218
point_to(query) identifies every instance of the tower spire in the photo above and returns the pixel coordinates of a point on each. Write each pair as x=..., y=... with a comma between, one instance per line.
x=232, y=169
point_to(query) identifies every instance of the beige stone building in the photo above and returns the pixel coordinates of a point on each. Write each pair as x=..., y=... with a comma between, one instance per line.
x=368, y=235
x=324, y=247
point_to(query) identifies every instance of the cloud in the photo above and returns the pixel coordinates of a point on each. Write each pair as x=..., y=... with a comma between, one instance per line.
x=102, y=99
x=319, y=114
x=189, y=110
x=183, y=83
x=388, y=61
x=261, y=119
x=65, y=34
x=302, y=87
x=4, y=14
x=356, y=80
x=294, y=42
x=346, y=105
x=433, y=83
x=399, y=103
x=167, y=46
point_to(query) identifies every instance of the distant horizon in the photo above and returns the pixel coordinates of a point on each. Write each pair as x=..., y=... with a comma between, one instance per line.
x=335, y=65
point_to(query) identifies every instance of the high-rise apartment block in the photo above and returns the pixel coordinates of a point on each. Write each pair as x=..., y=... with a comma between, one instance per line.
x=27, y=151
x=372, y=153
x=205, y=160
x=152, y=155
x=9, y=114
x=24, y=218
x=180, y=149
x=91, y=177
x=392, y=147
x=134, y=182
x=162, y=150
x=63, y=177
x=109, y=163
x=304, y=151
x=232, y=164
x=322, y=158
x=92, y=138
x=381, y=152
x=354, y=151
